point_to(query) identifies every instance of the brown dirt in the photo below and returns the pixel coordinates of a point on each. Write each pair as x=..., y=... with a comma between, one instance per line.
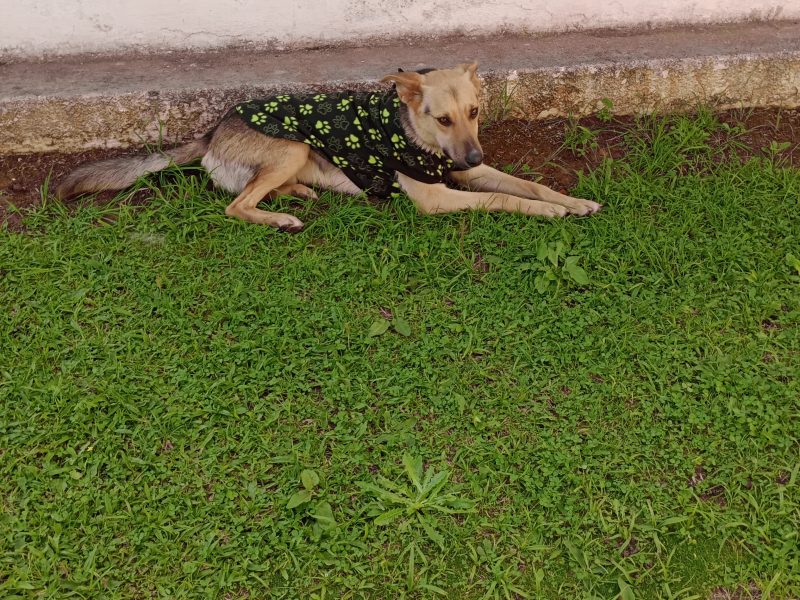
x=507, y=144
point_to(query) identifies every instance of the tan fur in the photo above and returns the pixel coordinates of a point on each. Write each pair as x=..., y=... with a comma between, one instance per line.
x=442, y=117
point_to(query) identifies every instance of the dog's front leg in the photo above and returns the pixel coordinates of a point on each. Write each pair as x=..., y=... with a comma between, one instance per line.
x=486, y=179
x=436, y=198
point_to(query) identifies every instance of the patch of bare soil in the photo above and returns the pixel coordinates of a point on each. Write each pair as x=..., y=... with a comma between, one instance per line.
x=528, y=148
x=749, y=592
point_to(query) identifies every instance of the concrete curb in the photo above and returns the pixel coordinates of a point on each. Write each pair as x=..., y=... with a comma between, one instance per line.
x=95, y=102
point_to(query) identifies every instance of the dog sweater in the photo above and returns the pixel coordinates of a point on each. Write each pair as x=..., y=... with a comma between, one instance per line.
x=359, y=132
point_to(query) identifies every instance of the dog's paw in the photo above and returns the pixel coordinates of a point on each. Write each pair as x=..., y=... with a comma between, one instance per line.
x=289, y=224
x=585, y=207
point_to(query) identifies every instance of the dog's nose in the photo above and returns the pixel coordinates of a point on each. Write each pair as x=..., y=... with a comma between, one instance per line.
x=474, y=157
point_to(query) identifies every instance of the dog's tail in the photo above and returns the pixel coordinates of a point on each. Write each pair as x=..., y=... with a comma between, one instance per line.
x=119, y=173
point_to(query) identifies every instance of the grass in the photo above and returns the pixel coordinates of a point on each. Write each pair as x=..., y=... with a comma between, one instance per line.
x=395, y=406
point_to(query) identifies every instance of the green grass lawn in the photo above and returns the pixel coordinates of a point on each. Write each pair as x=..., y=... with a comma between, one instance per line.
x=388, y=405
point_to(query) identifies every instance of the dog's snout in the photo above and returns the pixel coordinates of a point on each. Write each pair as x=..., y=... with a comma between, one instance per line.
x=474, y=157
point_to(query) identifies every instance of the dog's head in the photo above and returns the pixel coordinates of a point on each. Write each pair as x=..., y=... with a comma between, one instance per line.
x=443, y=110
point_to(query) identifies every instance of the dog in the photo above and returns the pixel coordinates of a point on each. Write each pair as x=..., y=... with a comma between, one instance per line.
x=414, y=138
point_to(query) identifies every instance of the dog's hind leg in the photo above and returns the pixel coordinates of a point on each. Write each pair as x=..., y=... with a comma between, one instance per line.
x=268, y=178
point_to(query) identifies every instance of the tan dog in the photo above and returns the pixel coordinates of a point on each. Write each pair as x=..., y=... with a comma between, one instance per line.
x=436, y=111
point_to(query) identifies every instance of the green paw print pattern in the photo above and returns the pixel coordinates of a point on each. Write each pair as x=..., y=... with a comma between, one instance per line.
x=352, y=141
x=290, y=123
x=313, y=140
x=374, y=161
x=357, y=123
x=340, y=161
x=319, y=97
x=271, y=107
x=398, y=141
x=373, y=134
x=283, y=98
x=324, y=127
x=258, y=118
x=362, y=112
x=385, y=116
x=306, y=109
x=344, y=104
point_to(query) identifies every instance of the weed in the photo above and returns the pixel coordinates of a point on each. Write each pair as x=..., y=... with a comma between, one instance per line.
x=500, y=106
x=579, y=139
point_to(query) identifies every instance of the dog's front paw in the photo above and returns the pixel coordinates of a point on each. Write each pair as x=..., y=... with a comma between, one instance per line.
x=585, y=207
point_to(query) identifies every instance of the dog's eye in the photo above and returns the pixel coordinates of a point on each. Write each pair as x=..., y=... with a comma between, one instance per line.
x=445, y=121
x=473, y=113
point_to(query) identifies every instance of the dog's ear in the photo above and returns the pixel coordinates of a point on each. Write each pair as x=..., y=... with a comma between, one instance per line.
x=471, y=69
x=409, y=86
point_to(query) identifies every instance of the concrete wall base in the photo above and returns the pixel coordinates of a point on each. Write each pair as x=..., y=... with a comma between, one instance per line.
x=77, y=104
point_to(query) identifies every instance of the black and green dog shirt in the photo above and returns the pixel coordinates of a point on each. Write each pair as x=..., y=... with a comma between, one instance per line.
x=359, y=132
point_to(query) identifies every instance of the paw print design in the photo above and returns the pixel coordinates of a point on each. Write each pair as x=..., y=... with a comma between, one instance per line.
x=439, y=170
x=240, y=110
x=313, y=140
x=324, y=108
x=289, y=123
x=306, y=109
x=335, y=144
x=324, y=127
x=449, y=163
x=344, y=103
x=421, y=160
x=340, y=161
x=319, y=97
x=282, y=98
x=357, y=123
x=258, y=118
x=271, y=128
x=356, y=162
x=340, y=122
x=385, y=114
x=396, y=185
x=352, y=141
x=375, y=161
x=362, y=112
x=374, y=99
x=271, y=107
x=398, y=141
x=396, y=101
x=373, y=134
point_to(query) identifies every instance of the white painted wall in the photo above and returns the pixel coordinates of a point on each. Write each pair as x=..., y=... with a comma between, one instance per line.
x=31, y=28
